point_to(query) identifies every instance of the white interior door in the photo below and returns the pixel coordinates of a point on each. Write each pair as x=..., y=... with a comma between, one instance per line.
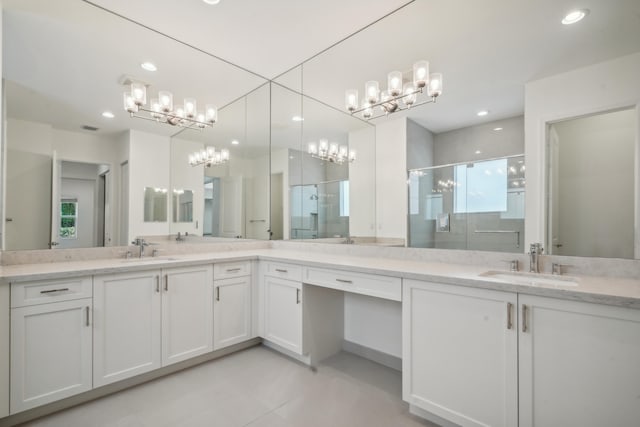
x=55, y=199
x=231, y=207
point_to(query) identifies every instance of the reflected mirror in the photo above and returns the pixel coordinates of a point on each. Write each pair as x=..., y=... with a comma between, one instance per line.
x=155, y=204
x=592, y=193
x=182, y=205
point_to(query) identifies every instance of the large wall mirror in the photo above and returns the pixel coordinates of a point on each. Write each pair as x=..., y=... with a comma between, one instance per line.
x=65, y=63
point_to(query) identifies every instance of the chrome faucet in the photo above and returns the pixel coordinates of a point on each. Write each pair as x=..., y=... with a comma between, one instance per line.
x=535, y=250
x=141, y=243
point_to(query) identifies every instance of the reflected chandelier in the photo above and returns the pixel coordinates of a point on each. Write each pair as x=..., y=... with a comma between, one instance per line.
x=331, y=152
x=398, y=96
x=209, y=157
x=162, y=110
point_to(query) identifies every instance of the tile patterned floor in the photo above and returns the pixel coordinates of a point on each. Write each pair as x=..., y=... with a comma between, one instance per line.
x=255, y=388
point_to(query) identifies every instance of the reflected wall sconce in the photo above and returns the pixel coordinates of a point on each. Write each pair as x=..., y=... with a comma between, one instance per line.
x=399, y=96
x=331, y=152
x=162, y=110
x=209, y=157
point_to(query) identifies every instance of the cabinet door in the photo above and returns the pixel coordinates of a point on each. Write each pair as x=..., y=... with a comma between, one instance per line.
x=126, y=327
x=283, y=313
x=187, y=313
x=231, y=311
x=50, y=352
x=460, y=353
x=579, y=364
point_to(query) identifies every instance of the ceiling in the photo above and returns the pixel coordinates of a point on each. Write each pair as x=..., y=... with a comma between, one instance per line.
x=72, y=53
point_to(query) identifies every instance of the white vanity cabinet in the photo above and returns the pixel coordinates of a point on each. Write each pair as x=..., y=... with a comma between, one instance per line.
x=51, y=333
x=149, y=319
x=232, y=303
x=127, y=325
x=579, y=364
x=282, y=299
x=460, y=353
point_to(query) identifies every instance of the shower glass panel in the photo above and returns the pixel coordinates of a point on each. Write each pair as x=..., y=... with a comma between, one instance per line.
x=320, y=210
x=478, y=206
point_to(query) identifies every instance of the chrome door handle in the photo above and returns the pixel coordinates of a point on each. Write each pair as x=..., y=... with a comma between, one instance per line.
x=217, y=293
x=87, y=321
x=279, y=270
x=158, y=284
x=344, y=281
x=525, y=310
x=166, y=282
x=50, y=291
x=509, y=315
x=297, y=296
x=231, y=270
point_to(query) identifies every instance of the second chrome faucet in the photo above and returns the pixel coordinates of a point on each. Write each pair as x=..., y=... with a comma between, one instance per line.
x=535, y=250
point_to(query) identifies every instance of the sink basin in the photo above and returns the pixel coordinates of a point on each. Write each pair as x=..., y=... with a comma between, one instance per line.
x=150, y=259
x=531, y=279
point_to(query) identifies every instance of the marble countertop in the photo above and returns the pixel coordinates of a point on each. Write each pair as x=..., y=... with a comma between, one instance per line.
x=622, y=292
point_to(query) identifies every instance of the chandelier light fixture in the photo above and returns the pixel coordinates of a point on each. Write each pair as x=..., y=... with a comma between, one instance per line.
x=209, y=157
x=162, y=110
x=400, y=95
x=331, y=152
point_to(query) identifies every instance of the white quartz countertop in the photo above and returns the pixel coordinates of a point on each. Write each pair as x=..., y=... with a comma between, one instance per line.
x=604, y=290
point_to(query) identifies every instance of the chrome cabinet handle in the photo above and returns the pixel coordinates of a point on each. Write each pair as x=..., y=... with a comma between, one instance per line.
x=166, y=282
x=525, y=310
x=158, y=284
x=280, y=270
x=297, y=296
x=217, y=293
x=509, y=315
x=87, y=321
x=50, y=291
x=344, y=281
x=231, y=270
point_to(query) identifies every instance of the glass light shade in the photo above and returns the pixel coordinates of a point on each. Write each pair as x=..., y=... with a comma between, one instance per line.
x=156, y=112
x=312, y=148
x=190, y=110
x=166, y=100
x=192, y=159
x=139, y=93
x=421, y=73
x=343, y=152
x=409, y=94
x=217, y=158
x=323, y=146
x=333, y=149
x=224, y=154
x=394, y=83
x=351, y=100
x=435, y=85
x=367, y=111
x=179, y=112
x=129, y=104
x=211, y=151
x=352, y=155
x=372, y=91
x=211, y=113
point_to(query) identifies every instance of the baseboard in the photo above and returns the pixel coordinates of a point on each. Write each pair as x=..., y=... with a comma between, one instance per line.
x=430, y=417
x=306, y=360
x=377, y=356
x=96, y=393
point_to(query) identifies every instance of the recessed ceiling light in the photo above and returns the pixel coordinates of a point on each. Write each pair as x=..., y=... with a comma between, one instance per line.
x=297, y=119
x=235, y=142
x=574, y=16
x=483, y=113
x=211, y=1
x=478, y=152
x=149, y=66
x=108, y=115
x=497, y=129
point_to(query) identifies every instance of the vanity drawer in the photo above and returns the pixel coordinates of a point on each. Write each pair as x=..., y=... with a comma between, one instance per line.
x=283, y=270
x=46, y=291
x=226, y=270
x=360, y=283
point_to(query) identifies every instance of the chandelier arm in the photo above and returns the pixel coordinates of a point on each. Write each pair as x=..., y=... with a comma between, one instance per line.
x=395, y=98
x=432, y=100
x=192, y=125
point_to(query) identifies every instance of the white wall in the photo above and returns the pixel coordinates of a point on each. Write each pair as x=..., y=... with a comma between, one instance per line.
x=362, y=180
x=374, y=323
x=149, y=162
x=391, y=178
x=280, y=164
x=419, y=146
x=600, y=87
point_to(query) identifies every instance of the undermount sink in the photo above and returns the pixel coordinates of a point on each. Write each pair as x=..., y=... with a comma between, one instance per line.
x=531, y=279
x=150, y=259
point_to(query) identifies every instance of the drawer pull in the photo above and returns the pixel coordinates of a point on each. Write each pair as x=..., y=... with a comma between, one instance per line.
x=158, y=284
x=344, y=281
x=525, y=326
x=509, y=315
x=51, y=291
x=88, y=323
x=231, y=270
x=280, y=270
x=297, y=296
x=166, y=282
x=217, y=293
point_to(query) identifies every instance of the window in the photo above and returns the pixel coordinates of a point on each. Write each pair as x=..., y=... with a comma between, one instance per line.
x=68, y=218
x=344, y=198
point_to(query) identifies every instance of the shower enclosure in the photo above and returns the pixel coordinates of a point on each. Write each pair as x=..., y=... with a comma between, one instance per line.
x=478, y=205
x=320, y=210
